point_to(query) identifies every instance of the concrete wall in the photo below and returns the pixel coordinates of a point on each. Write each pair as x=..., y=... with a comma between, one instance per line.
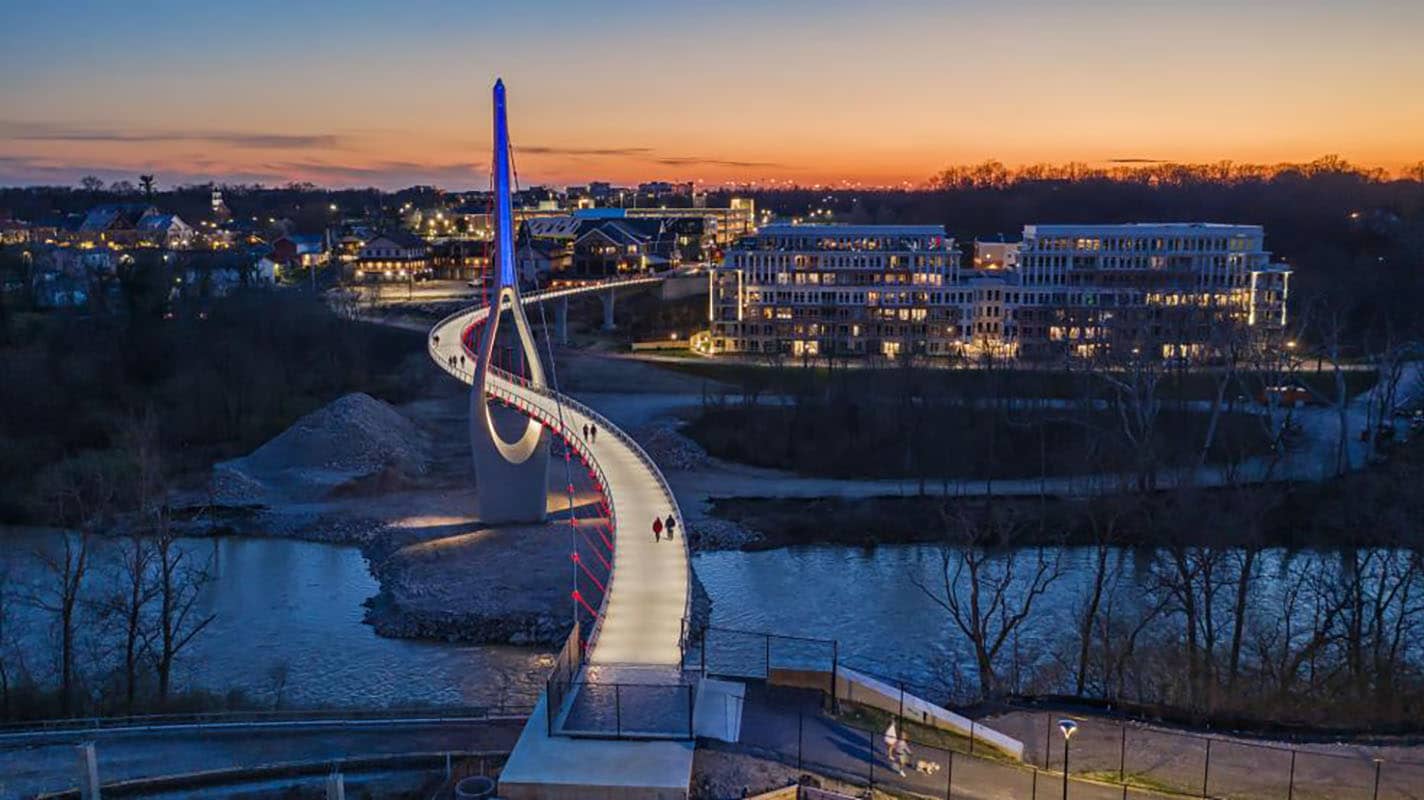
x=856, y=687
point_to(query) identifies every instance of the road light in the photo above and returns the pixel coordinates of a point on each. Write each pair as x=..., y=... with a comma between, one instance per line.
x=1068, y=726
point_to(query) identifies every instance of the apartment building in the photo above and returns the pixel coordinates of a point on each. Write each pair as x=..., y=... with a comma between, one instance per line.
x=812, y=290
x=1176, y=290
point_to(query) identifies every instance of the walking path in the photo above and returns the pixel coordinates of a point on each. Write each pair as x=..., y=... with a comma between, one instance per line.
x=641, y=618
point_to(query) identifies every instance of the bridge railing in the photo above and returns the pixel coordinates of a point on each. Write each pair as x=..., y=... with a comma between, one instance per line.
x=642, y=455
x=217, y=719
x=607, y=425
x=599, y=709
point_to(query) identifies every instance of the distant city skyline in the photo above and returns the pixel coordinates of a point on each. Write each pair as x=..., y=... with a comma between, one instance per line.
x=362, y=93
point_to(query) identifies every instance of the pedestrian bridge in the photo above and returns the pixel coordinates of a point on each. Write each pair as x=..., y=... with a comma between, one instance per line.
x=627, y=665
x=641, y=619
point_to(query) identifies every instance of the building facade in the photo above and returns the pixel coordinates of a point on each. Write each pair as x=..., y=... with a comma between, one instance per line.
x=395, y=256
x=1174, y=290
x=826, y=290
x=1171, y=291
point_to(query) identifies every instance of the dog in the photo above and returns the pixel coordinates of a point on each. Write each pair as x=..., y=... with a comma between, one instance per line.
x=927, y=767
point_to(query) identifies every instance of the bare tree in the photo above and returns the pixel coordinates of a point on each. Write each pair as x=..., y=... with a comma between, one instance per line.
x=134, y=594
x=989, y=588
x=1105, y=519
x=176, y=581
x=180, y=584
x=1135, y=384
x=80, y=494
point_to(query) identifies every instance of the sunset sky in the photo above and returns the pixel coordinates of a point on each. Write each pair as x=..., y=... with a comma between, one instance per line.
x=358, y=92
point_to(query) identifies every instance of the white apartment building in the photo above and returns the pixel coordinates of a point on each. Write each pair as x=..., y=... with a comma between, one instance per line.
x=1176, y=288
x=811, y=290
x=1173, y=290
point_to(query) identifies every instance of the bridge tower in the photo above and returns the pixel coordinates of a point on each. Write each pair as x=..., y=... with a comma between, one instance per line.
x=510, y=474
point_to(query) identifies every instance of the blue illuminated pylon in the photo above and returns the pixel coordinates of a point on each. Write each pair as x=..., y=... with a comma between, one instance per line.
x=483, y=436
x=504, y=204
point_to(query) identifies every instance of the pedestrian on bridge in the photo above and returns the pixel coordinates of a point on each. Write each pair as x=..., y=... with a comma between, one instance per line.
x=592, y=433
x=670, y=525
x=657, y=529
x=585, y=432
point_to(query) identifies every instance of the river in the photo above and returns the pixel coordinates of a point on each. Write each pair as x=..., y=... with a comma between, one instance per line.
x=284, y=605
x=281, y=604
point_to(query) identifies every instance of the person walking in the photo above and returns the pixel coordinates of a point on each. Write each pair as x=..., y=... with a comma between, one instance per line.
x=657, y=529
x=670, y=525
x=592, y=433
x=585, y=432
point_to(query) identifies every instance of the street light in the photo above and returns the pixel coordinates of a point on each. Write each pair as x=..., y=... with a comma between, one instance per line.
x=1068, y=726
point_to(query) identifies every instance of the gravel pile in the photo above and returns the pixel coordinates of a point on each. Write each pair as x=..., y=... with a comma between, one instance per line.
x=350, y=438
x=669, y=449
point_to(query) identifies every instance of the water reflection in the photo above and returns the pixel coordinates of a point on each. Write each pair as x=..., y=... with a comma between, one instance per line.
x=294, y=605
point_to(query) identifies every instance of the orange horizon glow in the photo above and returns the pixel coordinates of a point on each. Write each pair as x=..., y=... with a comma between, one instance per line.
x=831, y=93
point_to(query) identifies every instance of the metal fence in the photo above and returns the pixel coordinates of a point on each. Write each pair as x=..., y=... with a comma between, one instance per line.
x=745, y=654
x=1214, y=765
x=622, y=710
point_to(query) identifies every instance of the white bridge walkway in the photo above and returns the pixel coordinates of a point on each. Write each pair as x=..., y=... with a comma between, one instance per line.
x=641, y=621
x=637, y=636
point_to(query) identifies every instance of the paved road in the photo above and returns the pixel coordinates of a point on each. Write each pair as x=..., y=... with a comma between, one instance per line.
x=47, y=764
x=648, y=590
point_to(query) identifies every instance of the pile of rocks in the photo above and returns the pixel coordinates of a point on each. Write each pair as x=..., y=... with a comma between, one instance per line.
x=350, y=438
x=669, y=448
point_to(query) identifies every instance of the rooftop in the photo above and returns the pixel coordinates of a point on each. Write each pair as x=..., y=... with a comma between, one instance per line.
x=1220, y=227
x=782, y=229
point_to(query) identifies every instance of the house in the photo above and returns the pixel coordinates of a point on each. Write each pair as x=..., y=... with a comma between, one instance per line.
x=113, y=222
x=539, y=261
x=13, y=231
x=395, y=255
x=300, y=250
x=610, y=247
x=132, y=223
x=459, y=259
x=164, y=230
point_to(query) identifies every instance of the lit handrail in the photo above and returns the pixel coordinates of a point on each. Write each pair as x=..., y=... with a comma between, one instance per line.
x=482, y=313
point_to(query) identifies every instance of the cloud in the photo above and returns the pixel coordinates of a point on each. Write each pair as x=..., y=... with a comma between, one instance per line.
x=46, y=132
x=698, y=161
x=647, y=154
x=36, y=170
x=1136, y=161
x=627, y=152
x=381, y=172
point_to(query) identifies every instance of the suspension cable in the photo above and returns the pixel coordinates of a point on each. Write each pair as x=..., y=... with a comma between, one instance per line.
x=559, y=410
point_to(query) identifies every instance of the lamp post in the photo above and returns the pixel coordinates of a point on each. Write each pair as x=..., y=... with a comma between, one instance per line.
x=1067, y=726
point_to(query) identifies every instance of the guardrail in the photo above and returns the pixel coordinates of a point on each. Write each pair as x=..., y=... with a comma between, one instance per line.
x=479, y=315
x=253, y=719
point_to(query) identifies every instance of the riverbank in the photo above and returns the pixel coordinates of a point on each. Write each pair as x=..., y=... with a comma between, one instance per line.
x=1377, y=506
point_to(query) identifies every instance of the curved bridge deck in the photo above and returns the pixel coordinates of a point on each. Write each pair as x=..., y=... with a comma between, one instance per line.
x=641, y=622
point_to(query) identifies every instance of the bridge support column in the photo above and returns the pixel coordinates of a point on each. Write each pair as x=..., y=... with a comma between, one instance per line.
x=88, y=772
x=506, y=492
x=607, y=298
x=561, y=321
